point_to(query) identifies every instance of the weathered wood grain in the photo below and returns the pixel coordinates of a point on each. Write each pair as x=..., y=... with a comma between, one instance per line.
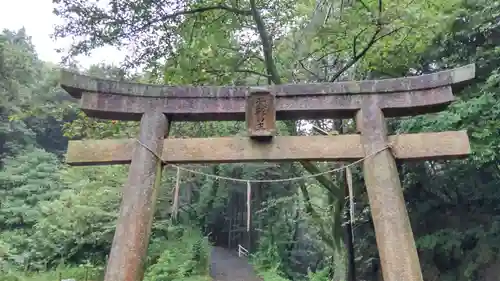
x=126, y=107
x=397, y=97
x=395, y=242
x=240, y=149
x=76, y=84
x=260, y=115
x=128, y=252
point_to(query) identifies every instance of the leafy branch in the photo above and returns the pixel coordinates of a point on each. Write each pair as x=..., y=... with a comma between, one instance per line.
x=316, y=217
x=357, y=56
x=206, y=9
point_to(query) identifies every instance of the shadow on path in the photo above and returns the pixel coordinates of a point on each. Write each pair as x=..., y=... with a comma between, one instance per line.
x=225, y=265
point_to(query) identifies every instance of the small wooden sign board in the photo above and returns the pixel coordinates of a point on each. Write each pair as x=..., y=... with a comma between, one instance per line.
x=261, y=115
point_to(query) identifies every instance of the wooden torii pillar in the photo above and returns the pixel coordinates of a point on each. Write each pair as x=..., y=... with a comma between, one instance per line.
x=369, y=101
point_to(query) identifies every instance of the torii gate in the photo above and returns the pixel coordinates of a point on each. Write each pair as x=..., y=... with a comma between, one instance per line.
x=370, y=102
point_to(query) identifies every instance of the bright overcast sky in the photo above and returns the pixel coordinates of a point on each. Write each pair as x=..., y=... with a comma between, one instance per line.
x=36, y=16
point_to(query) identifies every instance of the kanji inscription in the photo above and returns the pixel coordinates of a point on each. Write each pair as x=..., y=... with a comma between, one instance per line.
x=261, y=114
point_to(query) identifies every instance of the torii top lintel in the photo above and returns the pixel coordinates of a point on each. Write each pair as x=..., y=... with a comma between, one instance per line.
x=406, y=96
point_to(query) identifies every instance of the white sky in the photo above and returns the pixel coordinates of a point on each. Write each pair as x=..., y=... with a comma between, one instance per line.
x=37, y=18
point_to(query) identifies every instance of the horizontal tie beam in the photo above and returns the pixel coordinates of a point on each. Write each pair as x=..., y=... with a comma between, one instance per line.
x=442, y=145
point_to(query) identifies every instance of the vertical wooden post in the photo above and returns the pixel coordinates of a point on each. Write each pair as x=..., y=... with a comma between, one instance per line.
x=249, y=217
x=397, y=250
x=175, y=203
x=130, y=243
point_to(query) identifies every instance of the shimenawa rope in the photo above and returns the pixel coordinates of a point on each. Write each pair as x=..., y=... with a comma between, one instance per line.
x=389, y=146
x=249, y=181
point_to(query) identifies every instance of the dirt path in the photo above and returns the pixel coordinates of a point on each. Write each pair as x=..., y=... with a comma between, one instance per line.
x=227, y=266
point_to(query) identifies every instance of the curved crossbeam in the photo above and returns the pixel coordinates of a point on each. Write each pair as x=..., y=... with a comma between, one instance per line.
x=110, y=99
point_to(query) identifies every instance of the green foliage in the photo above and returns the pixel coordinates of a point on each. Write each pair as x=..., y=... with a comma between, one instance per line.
x=185, y=258
x=79, y=273
x=28, y=180
x=80, y=225
x=267, y=258
x=16, y=78
x=322, y=275
x=272, y=275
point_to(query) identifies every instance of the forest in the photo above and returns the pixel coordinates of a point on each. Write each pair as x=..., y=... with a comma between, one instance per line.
x=57, y=222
